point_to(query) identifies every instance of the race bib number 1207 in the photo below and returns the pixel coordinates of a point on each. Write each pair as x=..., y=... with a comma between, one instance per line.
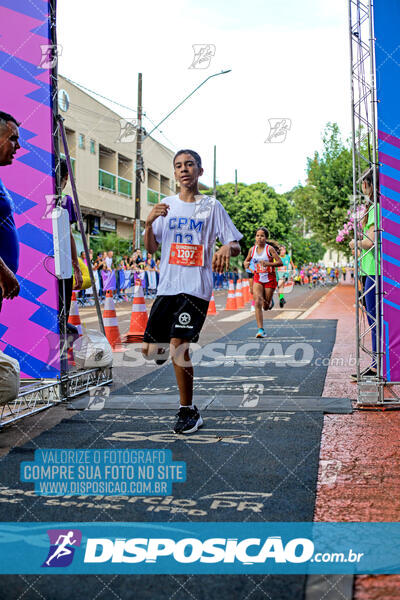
x=187, y=255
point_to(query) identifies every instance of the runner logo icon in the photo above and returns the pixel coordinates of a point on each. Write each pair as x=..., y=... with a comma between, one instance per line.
x=184, y=318
x=62, y=547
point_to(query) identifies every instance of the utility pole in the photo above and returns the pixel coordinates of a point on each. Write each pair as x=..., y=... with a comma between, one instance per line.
x=138, y=166
x=235, y=182
x=215, y=172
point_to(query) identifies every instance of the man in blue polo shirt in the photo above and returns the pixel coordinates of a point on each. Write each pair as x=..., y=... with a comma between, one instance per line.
x=9, y=243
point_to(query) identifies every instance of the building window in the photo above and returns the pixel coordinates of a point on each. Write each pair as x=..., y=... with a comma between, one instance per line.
x=81, y=142
x=92, y=147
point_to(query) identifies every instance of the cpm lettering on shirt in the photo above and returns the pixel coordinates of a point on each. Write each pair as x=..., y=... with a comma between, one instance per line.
x=183, y=223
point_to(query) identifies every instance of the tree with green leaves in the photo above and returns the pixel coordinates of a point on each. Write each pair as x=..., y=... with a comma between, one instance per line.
x=110, y=241
x=325, y=200
x=256, y=205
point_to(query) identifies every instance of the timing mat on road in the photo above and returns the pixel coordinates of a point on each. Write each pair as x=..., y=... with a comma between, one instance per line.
x=252, y=400
x=284, y=371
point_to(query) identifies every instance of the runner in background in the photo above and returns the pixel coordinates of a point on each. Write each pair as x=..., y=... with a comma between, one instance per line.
x=264, y=255
x=186, y=225
x=323, y=274
x=315, y=276
x=283, y=273
x=250, y=272
x=309, y=275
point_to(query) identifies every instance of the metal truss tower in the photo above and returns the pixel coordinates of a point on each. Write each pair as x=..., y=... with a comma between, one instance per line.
x=370, y=389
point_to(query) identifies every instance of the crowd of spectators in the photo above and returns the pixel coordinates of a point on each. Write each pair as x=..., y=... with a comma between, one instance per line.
x=137, y=262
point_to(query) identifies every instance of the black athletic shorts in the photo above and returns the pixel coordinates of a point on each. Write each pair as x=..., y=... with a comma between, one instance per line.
x=181, y=316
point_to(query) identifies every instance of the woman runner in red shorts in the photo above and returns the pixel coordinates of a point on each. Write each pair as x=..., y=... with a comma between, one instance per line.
x=264, y=256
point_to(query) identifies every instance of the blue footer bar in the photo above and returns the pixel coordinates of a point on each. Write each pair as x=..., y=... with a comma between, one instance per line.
x=194, y=548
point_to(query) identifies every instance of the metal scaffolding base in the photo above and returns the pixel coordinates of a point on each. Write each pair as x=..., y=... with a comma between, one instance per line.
x=371, y=395
x=80, y=382
x=39, y=395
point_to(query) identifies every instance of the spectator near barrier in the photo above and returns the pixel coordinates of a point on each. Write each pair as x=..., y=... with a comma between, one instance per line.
x=9, y=243
x=65, y=286
x=109, y=260
x=98, y=266
x=371, y=283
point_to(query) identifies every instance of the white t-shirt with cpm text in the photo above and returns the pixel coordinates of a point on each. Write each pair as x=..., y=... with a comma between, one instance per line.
x=199, y=222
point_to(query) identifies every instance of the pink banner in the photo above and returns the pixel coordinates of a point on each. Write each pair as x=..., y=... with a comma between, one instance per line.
x=29, y=323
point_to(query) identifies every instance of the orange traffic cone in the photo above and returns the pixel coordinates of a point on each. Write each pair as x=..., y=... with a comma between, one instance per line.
x=111, y=323
x=139, y=317
x=231, y=299
x=212, y=309
x=246, y=291
x=239, y=295
x=74, y=318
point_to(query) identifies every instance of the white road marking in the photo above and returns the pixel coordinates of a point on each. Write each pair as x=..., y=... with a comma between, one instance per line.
x=292, y=314
x=316, y=304
x=237, y=317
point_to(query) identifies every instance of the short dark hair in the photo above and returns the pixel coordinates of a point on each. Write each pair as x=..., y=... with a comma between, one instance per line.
x=7, y=117
x=63, y=168
x=195, y=155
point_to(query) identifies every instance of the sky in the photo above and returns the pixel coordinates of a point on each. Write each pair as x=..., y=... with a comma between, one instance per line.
x=289, y=63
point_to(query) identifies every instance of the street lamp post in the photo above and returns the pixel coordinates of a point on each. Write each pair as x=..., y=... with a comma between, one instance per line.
x=139, y=146
x=184, y=100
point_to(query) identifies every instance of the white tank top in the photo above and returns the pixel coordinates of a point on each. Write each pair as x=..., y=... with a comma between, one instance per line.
x=265, y=277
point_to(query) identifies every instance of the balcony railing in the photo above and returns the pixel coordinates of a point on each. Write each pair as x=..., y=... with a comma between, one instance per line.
x=152, y=196
x=124, y=187
x=107, y=181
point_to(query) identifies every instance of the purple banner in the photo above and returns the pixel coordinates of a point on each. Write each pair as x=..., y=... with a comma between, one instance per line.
x=109, y=281
x=29, y=323
x=387, y=66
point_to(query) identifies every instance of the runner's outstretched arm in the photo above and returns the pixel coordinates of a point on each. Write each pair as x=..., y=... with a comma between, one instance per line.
x=220, y=261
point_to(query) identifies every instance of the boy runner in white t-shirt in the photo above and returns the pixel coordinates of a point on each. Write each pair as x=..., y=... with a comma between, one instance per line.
x=187, y=226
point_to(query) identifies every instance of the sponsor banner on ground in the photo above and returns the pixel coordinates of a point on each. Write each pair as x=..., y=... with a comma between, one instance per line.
x=194, y=548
